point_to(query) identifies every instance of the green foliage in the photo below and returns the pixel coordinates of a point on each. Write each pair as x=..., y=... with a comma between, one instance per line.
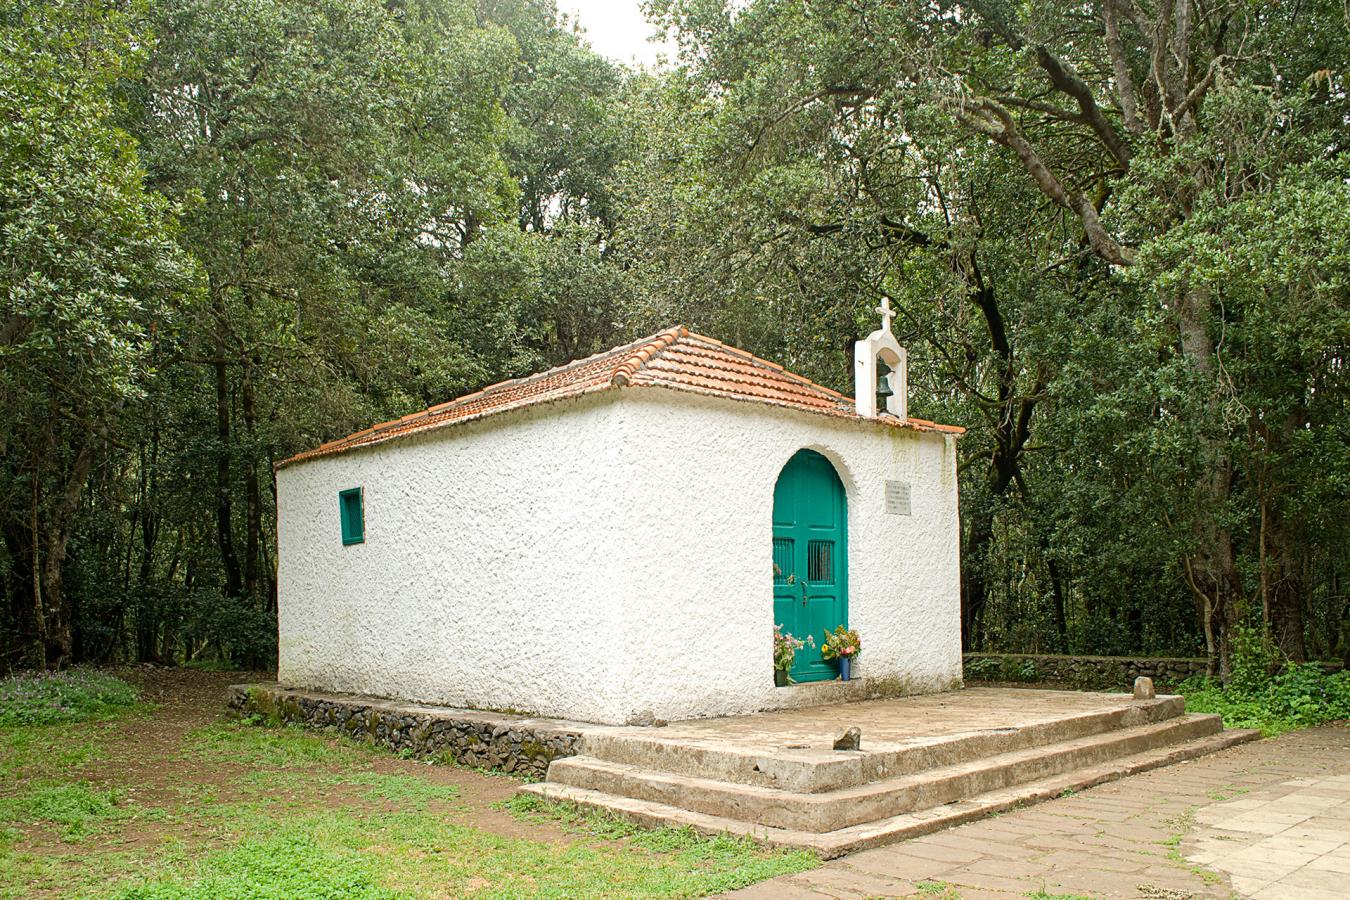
x=985, y=668
x=382, y=207
x=91, y=280
x=1295, y=696
x=1155, y=407
x=232, y=230
x=995, y=668
x=73, y=695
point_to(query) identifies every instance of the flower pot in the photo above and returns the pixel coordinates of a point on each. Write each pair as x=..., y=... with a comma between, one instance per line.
x=780, y=678
x=845, y=668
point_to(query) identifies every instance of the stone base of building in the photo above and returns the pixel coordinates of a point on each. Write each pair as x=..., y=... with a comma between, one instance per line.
x=520, y=745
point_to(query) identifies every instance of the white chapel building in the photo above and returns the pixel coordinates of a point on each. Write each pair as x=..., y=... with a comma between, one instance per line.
x=612, y=541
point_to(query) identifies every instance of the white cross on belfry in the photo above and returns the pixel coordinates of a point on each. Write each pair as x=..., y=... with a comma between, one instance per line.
x=886, y=313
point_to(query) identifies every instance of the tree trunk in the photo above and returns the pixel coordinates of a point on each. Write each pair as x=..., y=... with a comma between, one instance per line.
x=25, y=596
x=252, y=497
x=147, y=619
x=229, y=560
x=57, y=639
x=1057, y=594
x=1283, y=573
x=1213, y=570
x=1012, y=428
x=50, y=539
x=974, y=575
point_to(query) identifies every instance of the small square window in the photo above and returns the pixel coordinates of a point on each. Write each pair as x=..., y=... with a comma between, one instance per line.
x=353, y=513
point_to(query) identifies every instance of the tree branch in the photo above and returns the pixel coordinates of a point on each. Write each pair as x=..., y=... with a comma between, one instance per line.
x=991, y=118
x=1198, y=92
x=1067, y=82
x=1129, y=101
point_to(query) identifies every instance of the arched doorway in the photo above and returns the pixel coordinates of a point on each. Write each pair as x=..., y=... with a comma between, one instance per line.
x=810, y=557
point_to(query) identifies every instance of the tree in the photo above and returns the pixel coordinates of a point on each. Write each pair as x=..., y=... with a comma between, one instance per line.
x=91, y=275
x=1132, y=125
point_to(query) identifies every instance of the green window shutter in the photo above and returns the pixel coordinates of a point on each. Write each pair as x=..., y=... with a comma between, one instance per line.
x=353, y=513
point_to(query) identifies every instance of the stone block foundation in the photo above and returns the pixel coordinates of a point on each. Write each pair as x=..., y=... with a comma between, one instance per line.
x=517, y=744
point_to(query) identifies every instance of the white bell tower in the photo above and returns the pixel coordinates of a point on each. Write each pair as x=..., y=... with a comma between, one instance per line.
x=881, y=345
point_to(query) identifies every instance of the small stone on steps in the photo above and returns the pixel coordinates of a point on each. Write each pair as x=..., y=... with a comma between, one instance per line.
x=850, y=739
x=1143, y=688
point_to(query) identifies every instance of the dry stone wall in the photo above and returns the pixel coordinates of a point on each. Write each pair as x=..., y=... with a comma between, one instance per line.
x=516, y=744
x=1086, y=672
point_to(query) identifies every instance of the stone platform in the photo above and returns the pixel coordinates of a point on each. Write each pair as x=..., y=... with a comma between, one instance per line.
x=925, y=763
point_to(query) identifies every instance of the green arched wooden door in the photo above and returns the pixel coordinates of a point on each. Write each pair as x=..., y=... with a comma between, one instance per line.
x=810, y=557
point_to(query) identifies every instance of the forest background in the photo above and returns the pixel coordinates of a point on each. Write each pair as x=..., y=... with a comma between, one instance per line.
x=1117, y=233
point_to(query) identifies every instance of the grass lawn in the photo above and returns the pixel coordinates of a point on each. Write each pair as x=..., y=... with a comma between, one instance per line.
x=164, y=799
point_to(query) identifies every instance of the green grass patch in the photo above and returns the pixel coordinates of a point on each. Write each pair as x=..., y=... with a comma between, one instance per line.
x=281, y=747
x=53, y=698
x=737, y=853
x=404, y=790
x=289, y=864
x=45, y=750
x=76, y=809
x=343, y=853
x=283, y=812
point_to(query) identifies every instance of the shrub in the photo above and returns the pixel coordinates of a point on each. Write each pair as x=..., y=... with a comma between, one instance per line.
x=49, y=698
x=1299, y=696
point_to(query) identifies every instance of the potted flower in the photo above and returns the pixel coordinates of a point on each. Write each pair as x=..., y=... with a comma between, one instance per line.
x=785, y=648
x=842, y=645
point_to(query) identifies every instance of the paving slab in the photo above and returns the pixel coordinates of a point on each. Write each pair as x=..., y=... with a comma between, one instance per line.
x=1166, y=833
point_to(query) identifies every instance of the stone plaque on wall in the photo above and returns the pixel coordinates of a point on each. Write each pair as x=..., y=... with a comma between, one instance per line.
x=897, y=498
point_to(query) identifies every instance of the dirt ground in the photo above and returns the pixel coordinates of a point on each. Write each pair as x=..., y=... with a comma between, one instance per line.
x=144, y=755
x=142, y=760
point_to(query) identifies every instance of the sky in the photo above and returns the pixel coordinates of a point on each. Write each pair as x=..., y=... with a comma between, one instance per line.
x=616, y=29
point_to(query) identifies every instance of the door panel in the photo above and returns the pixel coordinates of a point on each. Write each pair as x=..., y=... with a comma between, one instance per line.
x=810, y=556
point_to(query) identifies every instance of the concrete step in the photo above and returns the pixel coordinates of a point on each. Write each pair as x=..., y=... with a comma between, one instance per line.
x=817, y=768
x=896, y=827
x=855, y=805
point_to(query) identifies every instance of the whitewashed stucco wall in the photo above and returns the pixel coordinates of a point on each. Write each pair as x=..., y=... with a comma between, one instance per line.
x=485, y=578
x=697, y=562
x=605, y=559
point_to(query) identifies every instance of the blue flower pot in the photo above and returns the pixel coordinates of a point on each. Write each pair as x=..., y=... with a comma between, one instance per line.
x=845, y=668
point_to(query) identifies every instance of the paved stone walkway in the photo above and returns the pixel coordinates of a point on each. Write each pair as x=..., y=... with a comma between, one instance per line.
x=1268, y=819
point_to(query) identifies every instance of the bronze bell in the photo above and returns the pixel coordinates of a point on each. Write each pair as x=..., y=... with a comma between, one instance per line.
x=883, y=384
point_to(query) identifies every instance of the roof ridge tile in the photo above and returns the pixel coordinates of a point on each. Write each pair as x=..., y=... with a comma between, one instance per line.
x=644, y=354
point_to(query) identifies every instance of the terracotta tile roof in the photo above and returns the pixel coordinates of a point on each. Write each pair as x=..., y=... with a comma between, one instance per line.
x=674, y=358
